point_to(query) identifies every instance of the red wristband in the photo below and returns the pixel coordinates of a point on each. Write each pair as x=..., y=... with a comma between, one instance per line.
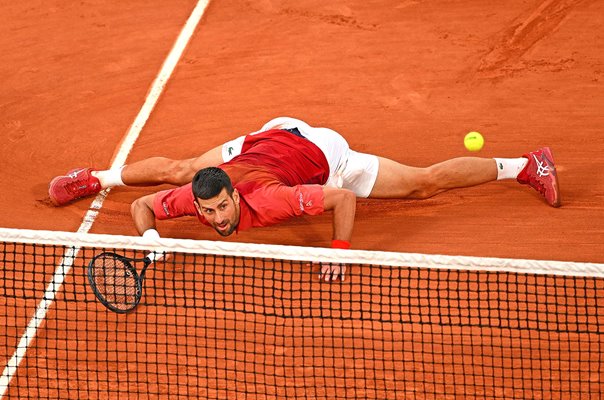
x=340, y=244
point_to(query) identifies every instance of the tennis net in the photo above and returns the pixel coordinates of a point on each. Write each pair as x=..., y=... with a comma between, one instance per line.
x=223, y=320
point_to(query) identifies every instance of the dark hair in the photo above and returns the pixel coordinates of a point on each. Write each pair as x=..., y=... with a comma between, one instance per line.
x=209, y=182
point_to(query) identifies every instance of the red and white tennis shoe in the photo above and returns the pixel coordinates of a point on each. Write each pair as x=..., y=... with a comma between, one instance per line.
x=540, y=174
x=76, y=184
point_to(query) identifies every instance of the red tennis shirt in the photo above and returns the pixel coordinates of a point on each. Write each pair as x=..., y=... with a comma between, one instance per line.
x=278, y=175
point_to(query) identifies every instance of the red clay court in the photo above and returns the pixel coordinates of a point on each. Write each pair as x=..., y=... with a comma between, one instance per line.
x=402, y=79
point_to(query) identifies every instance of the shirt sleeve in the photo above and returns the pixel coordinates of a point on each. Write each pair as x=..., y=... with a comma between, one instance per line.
x=277, y=203
x=174, y=203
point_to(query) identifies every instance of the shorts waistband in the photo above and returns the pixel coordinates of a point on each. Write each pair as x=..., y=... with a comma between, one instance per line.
x=294, y=131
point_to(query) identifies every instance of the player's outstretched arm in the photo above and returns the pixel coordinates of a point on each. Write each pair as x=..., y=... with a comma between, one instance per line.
x=142, y=214
x=144, y=220
x=343, y=204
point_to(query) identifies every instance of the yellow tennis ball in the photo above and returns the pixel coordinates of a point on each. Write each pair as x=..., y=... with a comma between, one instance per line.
x=473, y=141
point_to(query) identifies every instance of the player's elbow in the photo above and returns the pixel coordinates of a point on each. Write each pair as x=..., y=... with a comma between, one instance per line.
x=142, y=206
x=339, y=199
x=348, y=198
x=135, y=206
x=142, y=213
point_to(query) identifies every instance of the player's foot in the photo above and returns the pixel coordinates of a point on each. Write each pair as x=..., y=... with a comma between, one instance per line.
x=540, y=174
x=76, y=184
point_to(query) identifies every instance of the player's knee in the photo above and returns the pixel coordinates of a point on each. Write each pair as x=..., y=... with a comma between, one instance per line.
x=178, y=172
x=425, y=183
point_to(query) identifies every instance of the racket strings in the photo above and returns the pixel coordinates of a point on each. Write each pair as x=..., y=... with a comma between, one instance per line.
x=116, y=282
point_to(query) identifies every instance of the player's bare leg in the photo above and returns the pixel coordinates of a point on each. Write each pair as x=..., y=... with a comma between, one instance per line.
x=83, y=182
x=535, y=169
x=160, y=170
x=396, y=180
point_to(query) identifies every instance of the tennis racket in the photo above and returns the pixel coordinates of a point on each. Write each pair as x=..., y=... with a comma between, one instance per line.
x=115, y=282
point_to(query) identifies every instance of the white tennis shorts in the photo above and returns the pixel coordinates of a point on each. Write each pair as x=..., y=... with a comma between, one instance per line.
x=348, y=169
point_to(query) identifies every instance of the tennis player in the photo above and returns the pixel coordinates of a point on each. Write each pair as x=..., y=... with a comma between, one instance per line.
x=288, y=169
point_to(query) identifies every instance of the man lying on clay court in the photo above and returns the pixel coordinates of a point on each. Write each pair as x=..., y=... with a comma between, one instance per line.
x=287, y=169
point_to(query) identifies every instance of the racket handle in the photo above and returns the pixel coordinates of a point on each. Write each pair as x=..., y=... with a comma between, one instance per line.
x=154, y=256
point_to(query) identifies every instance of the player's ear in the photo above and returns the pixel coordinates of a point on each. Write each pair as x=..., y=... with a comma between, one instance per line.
x=236, y=196
x=197, y=206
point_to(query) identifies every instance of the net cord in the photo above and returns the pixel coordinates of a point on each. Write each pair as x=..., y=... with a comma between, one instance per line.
x=304, y=254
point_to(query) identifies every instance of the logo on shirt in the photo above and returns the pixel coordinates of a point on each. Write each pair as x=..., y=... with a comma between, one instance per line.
x=230, y=150
x=303, y=204
x=166, y=208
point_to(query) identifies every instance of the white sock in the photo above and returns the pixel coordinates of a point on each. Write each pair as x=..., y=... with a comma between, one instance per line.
x=509, y=168
x=109, y=178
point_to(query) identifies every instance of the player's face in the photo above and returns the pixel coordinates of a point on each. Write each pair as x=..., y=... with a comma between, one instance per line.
x=221, y=212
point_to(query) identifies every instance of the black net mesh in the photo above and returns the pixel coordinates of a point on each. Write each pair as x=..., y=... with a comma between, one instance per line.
x=225, y=327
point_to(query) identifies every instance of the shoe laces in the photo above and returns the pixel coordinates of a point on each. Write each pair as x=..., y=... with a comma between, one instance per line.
x=76, y=184
x=542, y=167
x=542, y=172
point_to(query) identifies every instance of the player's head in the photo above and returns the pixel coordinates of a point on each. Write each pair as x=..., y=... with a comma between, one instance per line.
x=216, y=199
